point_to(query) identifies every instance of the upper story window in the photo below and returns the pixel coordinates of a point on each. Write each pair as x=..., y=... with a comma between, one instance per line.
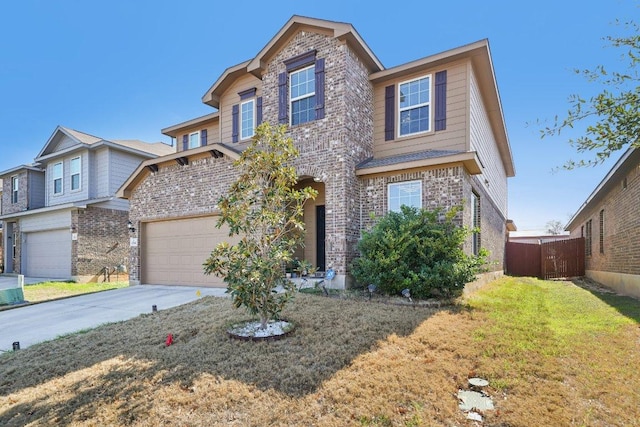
x=408, y=193
x=301, y=89
x=57, y=178
x=414, y=106
x=194, y=139
x=75, y=167
x=15, y=182
x=302, y=95
x=247, y=112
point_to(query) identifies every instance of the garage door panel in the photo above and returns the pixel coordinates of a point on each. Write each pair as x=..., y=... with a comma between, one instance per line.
x=173, y=251
x=48, y=254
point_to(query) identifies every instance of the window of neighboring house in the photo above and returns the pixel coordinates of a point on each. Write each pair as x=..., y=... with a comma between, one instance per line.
x=302, y=95
x=414, y=101
x=75, y=173
x=247, y=112
x=587, y=238
x=57, y=178
x=408, y=193
x=194, y=139
x=475, y=213
x=14, y=189
x=601, y=224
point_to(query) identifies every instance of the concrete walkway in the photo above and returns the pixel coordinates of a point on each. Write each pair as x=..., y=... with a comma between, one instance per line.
x=35, y=323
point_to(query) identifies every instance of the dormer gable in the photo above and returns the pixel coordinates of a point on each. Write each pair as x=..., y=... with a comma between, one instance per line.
x=256, y=66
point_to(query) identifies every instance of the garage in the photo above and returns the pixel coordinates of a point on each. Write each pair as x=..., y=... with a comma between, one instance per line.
x=48, y=254
x=172, y=252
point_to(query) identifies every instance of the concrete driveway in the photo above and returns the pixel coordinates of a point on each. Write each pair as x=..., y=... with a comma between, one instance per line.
x=35, y=323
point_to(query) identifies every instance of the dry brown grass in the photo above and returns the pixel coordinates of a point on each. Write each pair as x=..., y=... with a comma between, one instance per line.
x=349, y=362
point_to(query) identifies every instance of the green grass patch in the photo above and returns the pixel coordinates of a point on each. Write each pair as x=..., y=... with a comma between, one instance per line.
x=52, y=290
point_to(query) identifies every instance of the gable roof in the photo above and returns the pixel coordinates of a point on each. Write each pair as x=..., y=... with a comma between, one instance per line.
x=85, y=140
x=339, y=30
x=626, y=163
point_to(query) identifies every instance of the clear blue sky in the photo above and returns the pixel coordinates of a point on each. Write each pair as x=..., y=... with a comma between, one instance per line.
x=124, y=69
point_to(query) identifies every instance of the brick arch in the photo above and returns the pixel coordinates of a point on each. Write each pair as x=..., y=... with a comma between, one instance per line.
x=310, y=171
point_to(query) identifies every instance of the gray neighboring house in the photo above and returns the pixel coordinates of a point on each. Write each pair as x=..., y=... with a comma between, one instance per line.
x=428, y=133
x=59, y=214
x=609, y=221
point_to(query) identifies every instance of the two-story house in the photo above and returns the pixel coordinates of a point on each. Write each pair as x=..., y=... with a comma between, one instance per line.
x=428, y=133
x=59, y=214
x=609, y=221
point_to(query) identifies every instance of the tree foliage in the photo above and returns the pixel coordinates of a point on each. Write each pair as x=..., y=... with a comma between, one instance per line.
x=265, y=211
x=419, y=250
x=554, y=227
x=613, y=114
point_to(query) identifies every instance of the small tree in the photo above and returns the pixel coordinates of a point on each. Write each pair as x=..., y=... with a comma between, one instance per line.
x=419, y=250
x=555, y=227
x=266, y=212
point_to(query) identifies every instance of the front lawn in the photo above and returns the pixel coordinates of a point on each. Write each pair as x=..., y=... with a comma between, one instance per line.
x=554, y=353
x=51, y=290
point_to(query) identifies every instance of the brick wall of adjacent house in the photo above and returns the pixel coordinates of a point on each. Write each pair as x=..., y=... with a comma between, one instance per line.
x=176, y=191
x=621, y=249
x=23, y=201
x=102, y=242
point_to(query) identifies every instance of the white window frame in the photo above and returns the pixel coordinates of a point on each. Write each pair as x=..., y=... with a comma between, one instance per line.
x=58, y=177
x=429, y=104
x=299, y=98
x=15, y=187
x=417, y=183
x=248, y=131
x=79, y=173
x=197, y=140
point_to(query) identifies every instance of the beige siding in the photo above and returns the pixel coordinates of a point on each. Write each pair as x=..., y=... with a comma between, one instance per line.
x=454, y=137
x=231, y=97
x=493, y=178
x=213, y=133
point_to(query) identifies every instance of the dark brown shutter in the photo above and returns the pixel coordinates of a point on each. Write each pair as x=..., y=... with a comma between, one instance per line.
x=282, y=97
x=258, y=110
x=441, y=100
x=185, y=142
x=320, y=89
x=203, y=137
x=234, y=122
x=389, y=112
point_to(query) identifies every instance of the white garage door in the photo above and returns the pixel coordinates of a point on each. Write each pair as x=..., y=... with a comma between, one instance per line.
x=173, y=251
x=48, y=254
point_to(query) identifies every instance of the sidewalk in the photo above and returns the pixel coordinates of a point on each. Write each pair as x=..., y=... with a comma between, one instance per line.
x=35, y=323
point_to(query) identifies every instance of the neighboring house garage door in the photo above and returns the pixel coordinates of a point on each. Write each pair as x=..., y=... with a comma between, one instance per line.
x=173, y=251
x=48, y=254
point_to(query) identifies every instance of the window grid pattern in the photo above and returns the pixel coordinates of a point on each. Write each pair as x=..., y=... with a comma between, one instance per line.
x=415, y=106
x=404, y=193
x=601, y=225
x=75, y=173
x=302, y=95
x=588, y=238
x=57, y=178
x=247, y=113
x=476, y=242
x=194, y=140
x=14, y=189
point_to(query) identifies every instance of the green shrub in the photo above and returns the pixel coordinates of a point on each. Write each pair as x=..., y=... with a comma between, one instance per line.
x=419, y=250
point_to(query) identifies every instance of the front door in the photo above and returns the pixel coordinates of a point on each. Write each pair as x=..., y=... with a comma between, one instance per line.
x=320, y=237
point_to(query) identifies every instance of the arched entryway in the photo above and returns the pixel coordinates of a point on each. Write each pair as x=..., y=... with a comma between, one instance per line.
x=314, y=249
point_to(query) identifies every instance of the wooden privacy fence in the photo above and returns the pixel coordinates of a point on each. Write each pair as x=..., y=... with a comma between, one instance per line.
x=549, y=260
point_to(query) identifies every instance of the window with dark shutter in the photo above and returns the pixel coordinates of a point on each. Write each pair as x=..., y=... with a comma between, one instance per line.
x=185, y=142
x=282, y=98
x=389, y=112
x=203, y=137
x=441, y=101
x=258, y=110
x=234, y=122
x=320, y=89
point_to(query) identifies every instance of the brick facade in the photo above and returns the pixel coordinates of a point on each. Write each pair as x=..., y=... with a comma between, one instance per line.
x=102, y=243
